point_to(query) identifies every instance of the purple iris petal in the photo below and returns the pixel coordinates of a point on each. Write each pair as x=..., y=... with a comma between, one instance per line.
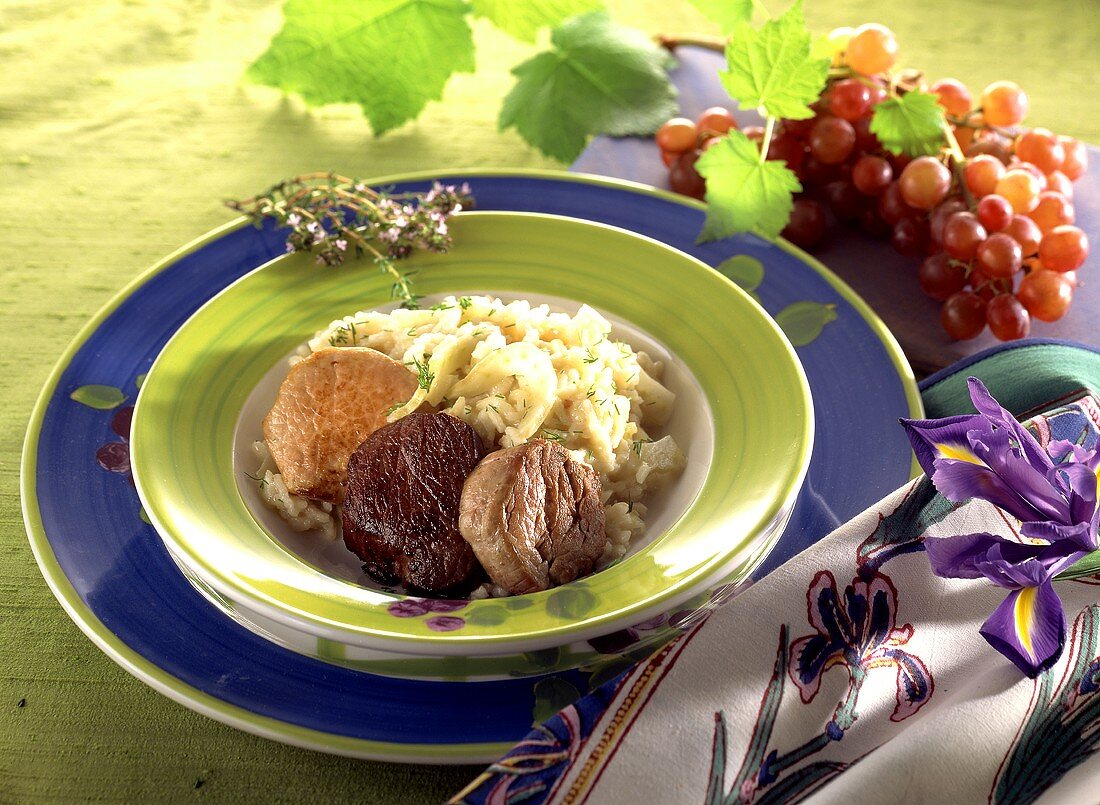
x=960, y=481
x=988, y=407
x=956, y=557
x=1038, y=498
x=926, y=434
x=1029, y=627
x=1079, y=536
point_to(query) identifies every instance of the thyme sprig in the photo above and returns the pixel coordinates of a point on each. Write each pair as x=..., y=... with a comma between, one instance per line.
x=335, y=216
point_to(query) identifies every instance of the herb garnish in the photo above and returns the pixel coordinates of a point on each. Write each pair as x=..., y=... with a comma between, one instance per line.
x=332, y=215
x=424, y=377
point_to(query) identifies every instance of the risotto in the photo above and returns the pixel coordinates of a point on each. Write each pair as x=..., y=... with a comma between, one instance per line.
x=516, y=372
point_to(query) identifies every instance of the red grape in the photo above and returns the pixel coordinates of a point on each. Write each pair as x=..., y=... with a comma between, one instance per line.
x=832, y=140
x=814, y=171
x=844, y=200
x=850, y=99
x=1076, y=158
x=683, y=178
x=924, y=183
x=787, y=149
x=963, y=315
x=939, y=217
x=1069, y=277
x=954, y=97
x=754, y=133
x=1040, y=177
x=1042, y=149
x=910, y=237
x=982, y=174
x=1020, y=188
x=962, y=235
x=872, y=49
x=799, y=128
x=1025, y=232
x=892, y=207
x=994, y=212
x=716, y=119
x=1000, y=256
x=1008, y=319
x=1045, y=294
x=668, y=157
x=865, y=140
x=807, y=223
x=709, y=143
x=990, y=147
x=940, y=277
x=677, y=135
x=964, y=135
x=871, y=175
x=1063, y=248
x=1058, y=182
x=1052, y=210
x=1004, y=103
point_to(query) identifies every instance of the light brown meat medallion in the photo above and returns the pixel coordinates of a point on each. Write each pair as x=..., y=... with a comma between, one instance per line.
x=533, y=516
x=327, y=406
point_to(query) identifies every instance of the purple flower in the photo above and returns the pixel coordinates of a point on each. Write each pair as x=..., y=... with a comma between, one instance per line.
x=858, y=629
x=991, y=456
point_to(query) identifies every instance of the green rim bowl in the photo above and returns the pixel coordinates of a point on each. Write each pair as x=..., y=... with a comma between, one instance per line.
x=756, y=403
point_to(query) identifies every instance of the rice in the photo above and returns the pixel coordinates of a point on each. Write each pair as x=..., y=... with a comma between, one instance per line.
x=516, y=372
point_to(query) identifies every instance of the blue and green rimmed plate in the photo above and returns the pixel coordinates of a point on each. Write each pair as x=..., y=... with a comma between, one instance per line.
x=111, y=572
x=748, y=435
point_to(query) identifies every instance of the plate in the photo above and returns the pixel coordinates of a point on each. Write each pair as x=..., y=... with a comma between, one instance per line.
x=111, y=572
x=755, y=408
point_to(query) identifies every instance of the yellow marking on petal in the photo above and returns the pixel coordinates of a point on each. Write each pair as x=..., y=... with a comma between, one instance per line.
x=957, y=452
x=1024, y=614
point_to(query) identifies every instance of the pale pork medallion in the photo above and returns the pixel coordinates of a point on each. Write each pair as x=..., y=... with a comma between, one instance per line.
x=531, y=469
x=533, y=516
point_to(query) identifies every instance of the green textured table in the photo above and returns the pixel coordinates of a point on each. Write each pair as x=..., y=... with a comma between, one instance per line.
x=122, y=126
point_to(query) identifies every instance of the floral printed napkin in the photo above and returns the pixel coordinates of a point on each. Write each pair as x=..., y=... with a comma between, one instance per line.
x=849, y=674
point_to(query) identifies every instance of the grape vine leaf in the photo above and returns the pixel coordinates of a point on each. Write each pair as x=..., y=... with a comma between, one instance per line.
x=389, y=56
x=744, y=192
x=522, y=20
x=771, y=67
x=911, y=123
x=599, y=78
x=727, y=13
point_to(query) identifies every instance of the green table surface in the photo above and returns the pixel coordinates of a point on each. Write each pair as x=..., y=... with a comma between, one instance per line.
x=122, y=126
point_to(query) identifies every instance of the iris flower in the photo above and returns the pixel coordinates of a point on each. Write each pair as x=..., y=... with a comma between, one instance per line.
x=991, y=456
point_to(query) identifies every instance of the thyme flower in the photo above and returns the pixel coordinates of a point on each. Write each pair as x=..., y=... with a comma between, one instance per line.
x=333, y=216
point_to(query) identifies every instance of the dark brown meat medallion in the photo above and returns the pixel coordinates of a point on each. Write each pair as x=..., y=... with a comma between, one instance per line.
x=533, y=516
x=401, y=507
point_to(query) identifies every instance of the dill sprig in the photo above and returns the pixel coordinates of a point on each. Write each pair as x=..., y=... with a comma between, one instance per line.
x=333, y=216
x=424, y=376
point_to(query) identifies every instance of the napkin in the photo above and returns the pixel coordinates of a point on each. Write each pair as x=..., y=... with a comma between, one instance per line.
x=850, y=673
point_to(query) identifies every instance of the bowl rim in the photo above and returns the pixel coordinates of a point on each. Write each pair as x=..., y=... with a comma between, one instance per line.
x=718, y=564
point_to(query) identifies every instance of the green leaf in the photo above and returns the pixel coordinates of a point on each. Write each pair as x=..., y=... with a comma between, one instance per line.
x=140, y=380
x=599, y=78
x=727, y=13
x=516, y=602
x=389, y=56
x=605, y=672
x=744, y=193
x=771, y=67
x=803, y=321
x=748, y=272
x=570, y=602
x=487, y=616
x=551, y=695
x=522, y=20
x=102, y=398
x=910, y=124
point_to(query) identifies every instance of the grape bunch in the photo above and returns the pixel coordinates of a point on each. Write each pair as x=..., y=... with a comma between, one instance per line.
x=990, y=216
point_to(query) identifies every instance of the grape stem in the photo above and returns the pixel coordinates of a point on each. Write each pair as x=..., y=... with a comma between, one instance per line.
x=769, y=127
x=952, y=144
x=705, y=41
